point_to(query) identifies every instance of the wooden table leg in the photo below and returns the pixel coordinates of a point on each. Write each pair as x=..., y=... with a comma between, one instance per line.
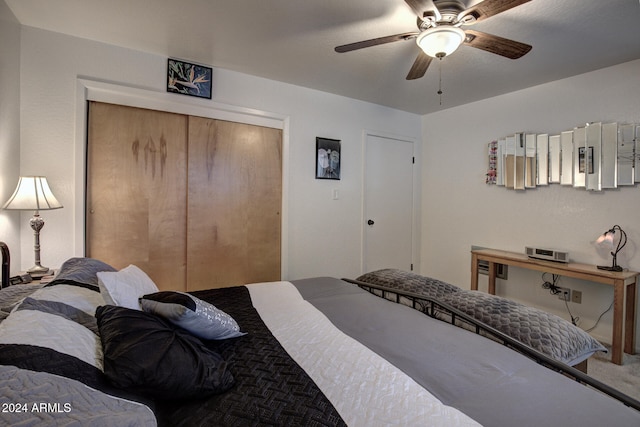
x=474, y=272
x=618, y=312
x=492, y=278
x=630, y=319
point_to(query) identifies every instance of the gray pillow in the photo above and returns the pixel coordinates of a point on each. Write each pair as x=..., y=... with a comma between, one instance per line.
x=408, y=282
x=200, y=318
x=545, y=332
x=81, y=271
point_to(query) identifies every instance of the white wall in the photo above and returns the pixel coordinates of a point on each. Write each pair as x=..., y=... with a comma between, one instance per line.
x=324, y=236
x=460, y=210
x=9, y=129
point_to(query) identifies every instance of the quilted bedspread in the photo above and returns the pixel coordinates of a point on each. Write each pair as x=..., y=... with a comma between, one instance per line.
x=271, y=389
x=38, y=398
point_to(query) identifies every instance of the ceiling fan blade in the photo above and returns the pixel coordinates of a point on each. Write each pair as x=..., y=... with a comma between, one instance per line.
x=375, y=42
x=489, y=8
x=424, y=8
x=495, y=44
x=420, y=66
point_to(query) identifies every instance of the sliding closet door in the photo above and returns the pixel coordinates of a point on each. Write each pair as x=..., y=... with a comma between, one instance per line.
x=137, y=191
x=234, y=203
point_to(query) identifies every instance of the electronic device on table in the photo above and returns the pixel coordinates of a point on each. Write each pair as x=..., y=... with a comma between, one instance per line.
x=547, y=254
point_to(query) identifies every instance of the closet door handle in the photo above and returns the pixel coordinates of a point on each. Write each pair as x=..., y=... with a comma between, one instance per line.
x=370, y=222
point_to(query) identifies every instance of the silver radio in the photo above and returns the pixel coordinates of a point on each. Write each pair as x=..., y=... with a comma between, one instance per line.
x=547, y=254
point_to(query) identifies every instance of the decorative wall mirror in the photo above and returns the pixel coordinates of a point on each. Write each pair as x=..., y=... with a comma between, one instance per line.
x=594, y=157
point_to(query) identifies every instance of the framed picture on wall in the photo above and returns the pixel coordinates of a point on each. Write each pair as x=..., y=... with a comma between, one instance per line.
x=188, y=79
x=327, y=158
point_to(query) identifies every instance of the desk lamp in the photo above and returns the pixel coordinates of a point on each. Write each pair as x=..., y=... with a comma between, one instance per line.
x=33, y=194
x=607, y=239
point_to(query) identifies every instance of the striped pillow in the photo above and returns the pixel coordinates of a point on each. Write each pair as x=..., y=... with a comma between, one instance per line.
x=61, y=318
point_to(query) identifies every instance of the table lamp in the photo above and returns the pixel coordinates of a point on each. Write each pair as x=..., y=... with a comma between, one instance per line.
x=607, y=239
x=33, y=194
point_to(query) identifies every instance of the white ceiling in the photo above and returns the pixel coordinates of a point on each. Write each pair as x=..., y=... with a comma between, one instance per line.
x=293, y=41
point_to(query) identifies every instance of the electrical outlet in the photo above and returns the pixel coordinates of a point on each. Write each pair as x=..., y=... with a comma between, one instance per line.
x=576, y=296
x=565, y=294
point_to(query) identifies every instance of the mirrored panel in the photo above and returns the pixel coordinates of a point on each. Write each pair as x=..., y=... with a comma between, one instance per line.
x=520, y=169
x=510, y=161
x=530, y=167
x=554, y=159
x=500, y=163
x=626, y=150
x=593, y=150
x=566, y=158
x=636, y=154
x=579, y=157
x=609, y=156
x=542, y=154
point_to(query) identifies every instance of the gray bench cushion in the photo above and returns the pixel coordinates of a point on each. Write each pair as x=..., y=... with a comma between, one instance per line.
x=545, y=332
x=409, y=282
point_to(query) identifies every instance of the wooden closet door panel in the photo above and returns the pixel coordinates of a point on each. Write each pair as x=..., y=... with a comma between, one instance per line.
x=136, y=191
x=234, y=204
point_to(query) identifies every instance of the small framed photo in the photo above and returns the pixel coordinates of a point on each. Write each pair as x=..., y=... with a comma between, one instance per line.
x=327, y=158
x=188, y=79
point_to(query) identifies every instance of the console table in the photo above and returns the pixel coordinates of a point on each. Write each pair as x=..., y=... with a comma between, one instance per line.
x=624, y=289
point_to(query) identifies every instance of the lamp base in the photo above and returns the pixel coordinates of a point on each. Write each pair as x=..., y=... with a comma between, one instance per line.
x=38, y=271
x=609, y=268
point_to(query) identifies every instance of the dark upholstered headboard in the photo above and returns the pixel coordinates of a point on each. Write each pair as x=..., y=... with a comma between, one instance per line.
x=6, y=262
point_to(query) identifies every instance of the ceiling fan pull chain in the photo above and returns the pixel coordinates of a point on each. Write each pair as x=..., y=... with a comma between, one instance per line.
x=440, y=80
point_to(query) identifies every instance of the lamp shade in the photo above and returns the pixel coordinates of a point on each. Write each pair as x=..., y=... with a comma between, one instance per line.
x=605, y=240
x=32, y=194
x=440, y=41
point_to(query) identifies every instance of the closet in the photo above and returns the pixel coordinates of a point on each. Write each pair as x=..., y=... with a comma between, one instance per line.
x=193, y=201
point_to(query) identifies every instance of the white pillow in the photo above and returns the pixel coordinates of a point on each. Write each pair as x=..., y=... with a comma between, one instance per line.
x=124, y=287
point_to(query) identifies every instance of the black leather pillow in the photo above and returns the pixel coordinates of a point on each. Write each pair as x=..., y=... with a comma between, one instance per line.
x=144, y=353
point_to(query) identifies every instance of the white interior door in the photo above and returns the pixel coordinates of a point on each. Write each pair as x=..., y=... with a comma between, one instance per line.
x=388, y=203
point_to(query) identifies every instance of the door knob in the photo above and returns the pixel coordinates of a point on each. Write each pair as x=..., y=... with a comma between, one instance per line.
x=370, y=222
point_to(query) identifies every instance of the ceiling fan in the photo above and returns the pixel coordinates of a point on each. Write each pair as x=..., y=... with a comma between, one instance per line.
x=439, y=22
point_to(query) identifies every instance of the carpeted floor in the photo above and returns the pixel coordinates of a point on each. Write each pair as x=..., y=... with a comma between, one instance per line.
x=625, y=377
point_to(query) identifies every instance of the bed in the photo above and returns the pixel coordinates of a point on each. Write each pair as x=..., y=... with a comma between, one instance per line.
x=103, y=347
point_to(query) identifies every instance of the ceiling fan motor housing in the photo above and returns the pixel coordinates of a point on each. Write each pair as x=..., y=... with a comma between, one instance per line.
x=447, y=12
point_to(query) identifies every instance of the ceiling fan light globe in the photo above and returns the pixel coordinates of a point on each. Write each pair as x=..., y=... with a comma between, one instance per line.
x=441, y=41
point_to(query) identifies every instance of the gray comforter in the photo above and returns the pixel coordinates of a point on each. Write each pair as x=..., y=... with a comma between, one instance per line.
x=491, y=383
